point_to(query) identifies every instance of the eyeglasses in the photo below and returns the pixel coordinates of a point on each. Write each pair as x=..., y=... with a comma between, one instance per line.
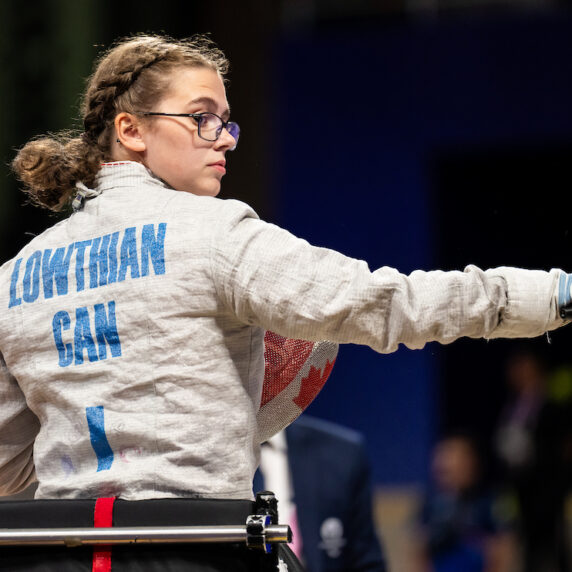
x=210, y=125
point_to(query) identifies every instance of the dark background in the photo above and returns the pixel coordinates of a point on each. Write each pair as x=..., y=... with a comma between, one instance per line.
x=414, y=134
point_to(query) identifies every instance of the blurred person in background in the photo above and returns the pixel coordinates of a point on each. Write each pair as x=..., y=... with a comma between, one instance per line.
x=534, y=444
x=320, y=473
x=463, y=524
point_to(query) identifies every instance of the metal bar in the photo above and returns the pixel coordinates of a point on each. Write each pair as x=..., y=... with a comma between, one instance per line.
x=276, y=533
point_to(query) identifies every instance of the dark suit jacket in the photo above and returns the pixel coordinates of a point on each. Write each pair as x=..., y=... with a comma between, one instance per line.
x=332, y=492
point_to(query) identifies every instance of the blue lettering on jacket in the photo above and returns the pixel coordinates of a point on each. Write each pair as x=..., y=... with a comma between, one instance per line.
x=132, y=253
x=101, y=447
x=79, y=263
x=102, y=321
x=14, y=299
x=61, y=321
x=128, y=255
x=56, y=268
x=112, y=253
x=154, y=248
x=106, y=331
x=98, y=261
x=82, y=338
x=32, y=277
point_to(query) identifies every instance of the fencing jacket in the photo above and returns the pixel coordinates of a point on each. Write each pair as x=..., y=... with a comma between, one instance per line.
x=131, y=336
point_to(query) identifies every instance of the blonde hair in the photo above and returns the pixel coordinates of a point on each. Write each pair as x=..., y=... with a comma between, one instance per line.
x=131, y=76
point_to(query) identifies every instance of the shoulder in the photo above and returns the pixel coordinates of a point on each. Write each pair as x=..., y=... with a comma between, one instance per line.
x=225, y=212
x=230, y=210
x=36, y=244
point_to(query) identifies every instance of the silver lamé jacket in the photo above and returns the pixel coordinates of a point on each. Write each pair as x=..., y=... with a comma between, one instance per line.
x=131, y=336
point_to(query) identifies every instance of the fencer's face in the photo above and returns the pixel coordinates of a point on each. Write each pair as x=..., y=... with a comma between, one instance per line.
x=173, y=149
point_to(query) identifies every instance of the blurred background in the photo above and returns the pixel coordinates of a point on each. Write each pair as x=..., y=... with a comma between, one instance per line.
x=417, y=134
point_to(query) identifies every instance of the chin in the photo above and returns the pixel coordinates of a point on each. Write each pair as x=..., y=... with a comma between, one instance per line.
x=210, y=190
x=202, y=192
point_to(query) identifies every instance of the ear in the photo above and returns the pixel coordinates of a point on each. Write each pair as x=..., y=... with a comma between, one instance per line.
x=128, y=132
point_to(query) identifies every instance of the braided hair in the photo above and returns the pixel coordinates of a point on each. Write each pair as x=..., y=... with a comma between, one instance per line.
x=131, y=76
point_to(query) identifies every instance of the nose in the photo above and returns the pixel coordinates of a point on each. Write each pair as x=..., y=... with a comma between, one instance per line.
x=225, y=141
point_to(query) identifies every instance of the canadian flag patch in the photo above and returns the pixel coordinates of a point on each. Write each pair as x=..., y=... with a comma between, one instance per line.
x=295, y=372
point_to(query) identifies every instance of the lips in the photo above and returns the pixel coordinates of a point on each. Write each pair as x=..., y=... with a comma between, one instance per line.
x=219, y=166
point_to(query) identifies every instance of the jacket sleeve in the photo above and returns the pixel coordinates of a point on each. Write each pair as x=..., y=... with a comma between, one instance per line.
x=274, y=280
x=18, y=429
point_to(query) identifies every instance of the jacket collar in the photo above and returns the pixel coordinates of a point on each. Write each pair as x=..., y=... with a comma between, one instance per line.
x=125, y=174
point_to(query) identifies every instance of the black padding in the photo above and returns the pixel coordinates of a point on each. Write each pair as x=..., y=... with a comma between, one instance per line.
x=132, y=558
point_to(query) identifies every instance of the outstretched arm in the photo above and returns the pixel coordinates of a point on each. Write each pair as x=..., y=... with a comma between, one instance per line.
x=274, y=280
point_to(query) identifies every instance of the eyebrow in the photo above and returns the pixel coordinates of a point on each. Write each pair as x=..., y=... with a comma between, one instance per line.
x=209, y=101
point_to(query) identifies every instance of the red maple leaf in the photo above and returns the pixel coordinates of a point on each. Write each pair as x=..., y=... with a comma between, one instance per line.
x=312, y=384
x=283, y=357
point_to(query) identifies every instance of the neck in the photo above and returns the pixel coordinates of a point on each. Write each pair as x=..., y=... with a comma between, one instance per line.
x=121, y=153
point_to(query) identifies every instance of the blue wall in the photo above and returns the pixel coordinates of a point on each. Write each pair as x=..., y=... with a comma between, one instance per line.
x=361, y=112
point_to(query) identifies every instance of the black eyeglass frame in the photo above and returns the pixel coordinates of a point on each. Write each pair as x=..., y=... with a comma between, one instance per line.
x=197, y=117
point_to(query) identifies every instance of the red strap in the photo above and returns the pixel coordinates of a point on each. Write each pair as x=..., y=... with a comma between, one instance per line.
x=102, y=518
